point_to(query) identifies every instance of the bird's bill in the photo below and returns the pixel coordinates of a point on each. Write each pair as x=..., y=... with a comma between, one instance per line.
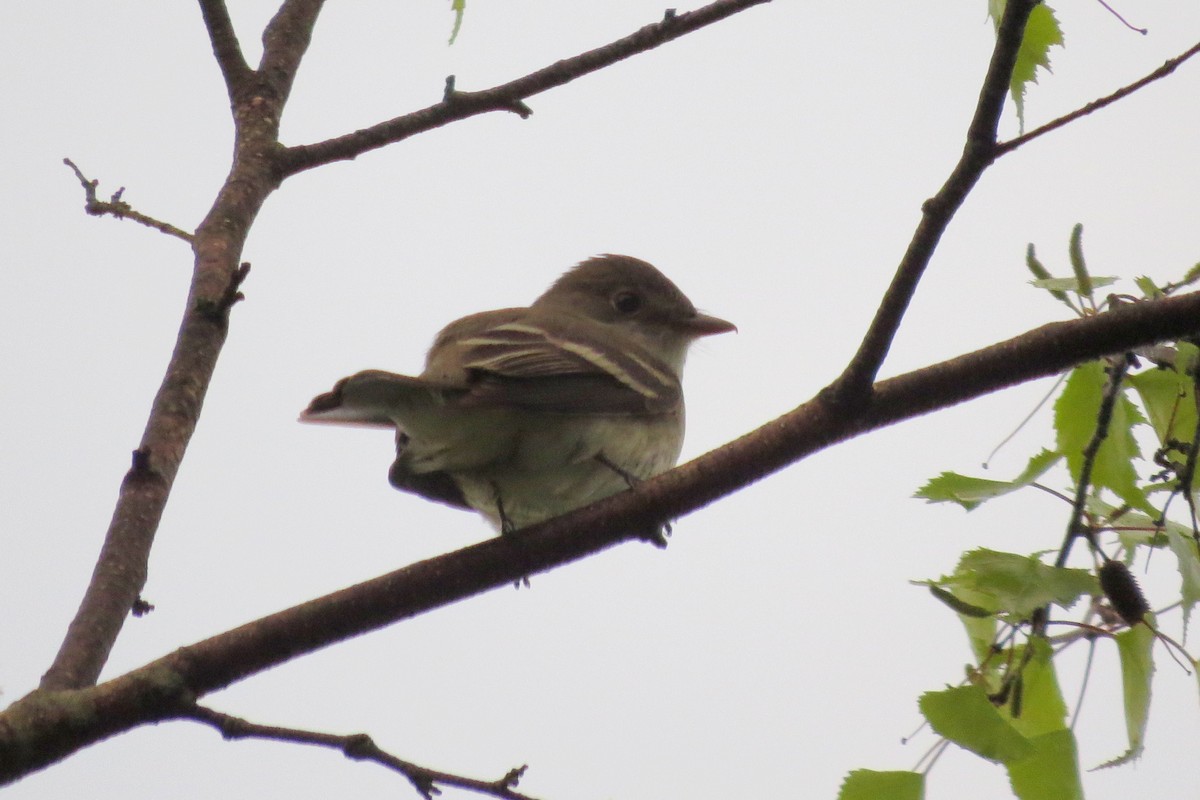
x=706, y=325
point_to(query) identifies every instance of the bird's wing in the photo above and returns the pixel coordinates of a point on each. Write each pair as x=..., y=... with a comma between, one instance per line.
x=523, y=360
x=511, y=358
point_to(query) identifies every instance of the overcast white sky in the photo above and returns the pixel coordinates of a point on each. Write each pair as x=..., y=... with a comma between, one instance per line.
x=774, y=166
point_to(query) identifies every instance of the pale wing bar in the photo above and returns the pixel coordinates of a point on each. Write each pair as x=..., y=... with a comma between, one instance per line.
x=519, y=350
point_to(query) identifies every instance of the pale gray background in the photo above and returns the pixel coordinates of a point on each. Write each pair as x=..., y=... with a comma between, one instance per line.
x=774, y=166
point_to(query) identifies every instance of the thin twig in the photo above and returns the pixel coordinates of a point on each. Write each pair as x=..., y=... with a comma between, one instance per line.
x=1083, y=684
x=1112, y=390
x=1166, y=69
x=1187, y=476
x=361, y=747
x=1028, y=417
x=1049, y=491
x=456, y=104
x=118, y=208
x=1123, y=21
x=1075, y=527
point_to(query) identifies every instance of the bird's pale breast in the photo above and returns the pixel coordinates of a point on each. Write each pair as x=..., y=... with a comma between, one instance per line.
x=555, y=468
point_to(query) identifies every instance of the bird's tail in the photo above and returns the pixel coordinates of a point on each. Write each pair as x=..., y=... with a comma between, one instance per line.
x=371, y=397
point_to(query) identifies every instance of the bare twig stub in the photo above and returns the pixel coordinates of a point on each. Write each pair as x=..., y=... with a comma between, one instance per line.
x=360, y=747
x=117, y=207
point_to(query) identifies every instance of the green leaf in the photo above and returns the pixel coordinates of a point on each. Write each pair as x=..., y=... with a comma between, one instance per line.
x=459, y=7
x=1135, y=647
x=1051, y=772
x=969, y=492
x=1042, y=32
x=866, y=784
x=966, y=717
x=981, y=631
x=980, y=621
x=1168, y=396
x=1071, y=284
x=1037, y=466
x=1043, y=764
x=1114, y=468
x=996, y=11
x=1043, y=709
x=1187, y=356
x=1192, y=275
x=1183, y=546
x=1148, y=287
x=1015, y=584
x=1075, y=414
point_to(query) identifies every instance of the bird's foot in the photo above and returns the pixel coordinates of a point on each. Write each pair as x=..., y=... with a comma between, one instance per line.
x=657, y=536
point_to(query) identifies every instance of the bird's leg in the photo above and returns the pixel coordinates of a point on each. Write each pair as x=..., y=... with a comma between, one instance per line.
x=506, y=529
x=656, y=537
x=506, y=524
x=630, y=479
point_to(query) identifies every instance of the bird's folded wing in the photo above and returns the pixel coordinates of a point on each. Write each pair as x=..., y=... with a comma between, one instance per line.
x=527, y=364
x=511, y=359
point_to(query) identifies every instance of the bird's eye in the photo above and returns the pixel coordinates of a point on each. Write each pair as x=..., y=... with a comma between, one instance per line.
x=627, y=302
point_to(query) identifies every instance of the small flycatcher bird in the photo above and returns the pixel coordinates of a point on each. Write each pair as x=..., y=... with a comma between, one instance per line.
x=523, y=414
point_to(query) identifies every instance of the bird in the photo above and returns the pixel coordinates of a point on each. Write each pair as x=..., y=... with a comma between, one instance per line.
x=523, y=414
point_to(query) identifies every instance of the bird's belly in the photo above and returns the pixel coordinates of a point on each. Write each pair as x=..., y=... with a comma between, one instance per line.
x=556, y=466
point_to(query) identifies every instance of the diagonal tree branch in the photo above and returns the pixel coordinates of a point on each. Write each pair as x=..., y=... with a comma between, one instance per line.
x=1166, y=69
x=509, y=96
x=852, y=385
x=226, y=48
x=120, y=571
x=286, y=40
x=47, y=726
